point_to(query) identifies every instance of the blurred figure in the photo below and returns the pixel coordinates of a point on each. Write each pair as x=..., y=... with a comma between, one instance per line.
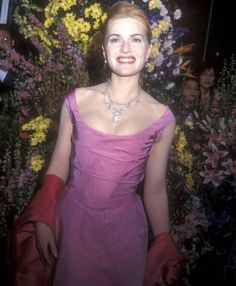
x=7, y=77
x=189, y=95
x=6, y=42
x=191, y=90
x=207, y=78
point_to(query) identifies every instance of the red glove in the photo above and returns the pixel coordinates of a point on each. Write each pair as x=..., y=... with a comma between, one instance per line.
x=164, y=261
x=43, y=204
x=23, y=256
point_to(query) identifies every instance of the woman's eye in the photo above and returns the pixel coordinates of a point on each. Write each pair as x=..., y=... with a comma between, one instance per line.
x=114, y=40
x=136, y=40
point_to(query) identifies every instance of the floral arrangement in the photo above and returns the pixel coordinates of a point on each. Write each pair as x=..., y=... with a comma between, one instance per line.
x=217, y=167
x=64, y=35
x=36, y=99
x=189, y=224
x=203, y=218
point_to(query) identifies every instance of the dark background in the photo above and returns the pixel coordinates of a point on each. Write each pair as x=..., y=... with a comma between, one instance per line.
x=221, y=43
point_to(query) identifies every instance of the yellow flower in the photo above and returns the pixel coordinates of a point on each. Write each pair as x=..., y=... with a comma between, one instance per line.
x=94, y=11
x=177, y=129
x=189, y=181
x=155, y=50
x=188, y=160
x=38, y=122
x=36, y=163
x=153, y=4
x=150, y=67
x=104, y=17
x=48, y=22
x=164, y=25
x=67, y=4
x=189, y=123
x=40, y=126
x=37, y=137
x=96, y=24
x=156, y=31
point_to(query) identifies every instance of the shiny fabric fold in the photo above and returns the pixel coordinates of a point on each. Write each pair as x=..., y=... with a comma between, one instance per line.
x=163, y=261
x=26, y=267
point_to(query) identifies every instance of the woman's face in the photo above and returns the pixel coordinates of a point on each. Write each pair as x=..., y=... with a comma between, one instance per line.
x=207, y=78
x=191, y=90
x=126, y=46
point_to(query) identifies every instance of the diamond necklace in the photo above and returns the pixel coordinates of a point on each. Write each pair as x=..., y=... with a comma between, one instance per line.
x=118, y=108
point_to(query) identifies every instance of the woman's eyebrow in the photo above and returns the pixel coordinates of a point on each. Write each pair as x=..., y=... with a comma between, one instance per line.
x=132, y=35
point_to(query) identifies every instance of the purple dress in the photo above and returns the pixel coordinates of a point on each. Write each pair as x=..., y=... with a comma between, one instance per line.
x=101, y=225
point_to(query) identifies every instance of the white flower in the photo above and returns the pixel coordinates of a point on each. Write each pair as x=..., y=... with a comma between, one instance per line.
x=170, y=85
x=177, y=14
x=159, y=60
x=176, y=71
x=168, y=44
x=163, y=11
x=168, y=64
x=170, y=51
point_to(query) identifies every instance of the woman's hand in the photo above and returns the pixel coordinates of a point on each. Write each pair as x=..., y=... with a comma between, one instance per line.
x=46, y=244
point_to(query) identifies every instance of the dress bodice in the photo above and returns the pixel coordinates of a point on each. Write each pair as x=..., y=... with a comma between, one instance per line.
x=114, y=163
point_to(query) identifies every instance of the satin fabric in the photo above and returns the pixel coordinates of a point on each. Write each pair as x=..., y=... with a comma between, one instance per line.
x=163, y=261
x=23, y=256
x=101, y=226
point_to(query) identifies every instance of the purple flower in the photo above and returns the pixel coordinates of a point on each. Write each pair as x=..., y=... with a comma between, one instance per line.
x=214, y=156
x=230, y=166
x=212, y=176
x=24, y=94
x=217, y=137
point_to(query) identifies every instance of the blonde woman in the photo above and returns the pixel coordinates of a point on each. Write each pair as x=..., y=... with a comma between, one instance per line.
x=111, y=137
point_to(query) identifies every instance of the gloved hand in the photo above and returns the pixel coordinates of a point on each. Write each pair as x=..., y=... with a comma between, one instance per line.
x=24, y=258
x=165, y=264
x=44, y=200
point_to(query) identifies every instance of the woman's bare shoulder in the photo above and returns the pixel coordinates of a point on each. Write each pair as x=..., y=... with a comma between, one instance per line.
x=90, y=89
x=83, y=93
x=153, y=104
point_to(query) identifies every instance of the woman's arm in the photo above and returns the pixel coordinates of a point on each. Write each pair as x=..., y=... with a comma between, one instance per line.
x=165, y=264
x=155, y=190
x=56, y=175
x=59, y=164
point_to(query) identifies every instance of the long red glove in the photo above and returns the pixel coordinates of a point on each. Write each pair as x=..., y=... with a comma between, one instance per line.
x=164, y=261
x=23, y=257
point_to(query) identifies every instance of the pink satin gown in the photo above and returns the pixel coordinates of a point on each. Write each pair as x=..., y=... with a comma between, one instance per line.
x=102, y=229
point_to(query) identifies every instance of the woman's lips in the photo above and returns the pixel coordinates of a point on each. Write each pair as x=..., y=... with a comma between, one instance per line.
x=125, y=60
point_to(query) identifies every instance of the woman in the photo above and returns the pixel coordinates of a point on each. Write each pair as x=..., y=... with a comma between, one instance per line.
x=207, y=77
x=190, y=90
x=111, y=136
x=189, y=95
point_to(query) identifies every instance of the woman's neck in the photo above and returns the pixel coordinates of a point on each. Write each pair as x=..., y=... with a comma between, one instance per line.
x=204, y=92
x=205, y=97
x=123, y=89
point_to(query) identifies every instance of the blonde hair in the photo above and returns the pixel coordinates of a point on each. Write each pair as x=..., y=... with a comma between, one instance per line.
x=123, y=9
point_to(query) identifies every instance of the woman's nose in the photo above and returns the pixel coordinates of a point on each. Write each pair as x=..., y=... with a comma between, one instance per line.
x=125, y=47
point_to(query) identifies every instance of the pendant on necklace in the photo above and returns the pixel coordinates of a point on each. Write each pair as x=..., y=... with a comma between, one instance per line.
x=115, y=117
x=117, y=108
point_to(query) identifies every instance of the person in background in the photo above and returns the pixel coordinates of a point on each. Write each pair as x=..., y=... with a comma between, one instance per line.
x=6, y=42
x=188, y=97
x=86, y=225
x=191, y=90
x=207, y=78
